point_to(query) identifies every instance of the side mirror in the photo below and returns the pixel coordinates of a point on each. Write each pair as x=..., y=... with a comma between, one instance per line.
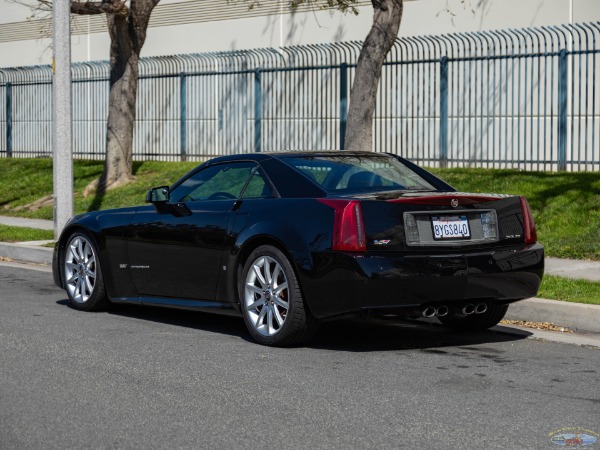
x=158, y=194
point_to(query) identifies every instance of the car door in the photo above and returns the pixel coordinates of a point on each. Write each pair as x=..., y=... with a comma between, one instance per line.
x=175, y=250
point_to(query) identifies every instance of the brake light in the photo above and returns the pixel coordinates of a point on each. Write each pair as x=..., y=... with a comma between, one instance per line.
x=528, y=223
x=348, y=225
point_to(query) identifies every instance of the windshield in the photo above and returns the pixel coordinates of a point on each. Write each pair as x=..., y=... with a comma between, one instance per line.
x=340, y=174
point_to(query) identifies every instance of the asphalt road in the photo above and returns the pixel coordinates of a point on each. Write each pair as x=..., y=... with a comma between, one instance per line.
x=151, y=378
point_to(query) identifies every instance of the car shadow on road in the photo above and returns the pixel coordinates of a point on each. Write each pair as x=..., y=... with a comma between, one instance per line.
x=386, y=335
x=213, y=323
x=349, y=335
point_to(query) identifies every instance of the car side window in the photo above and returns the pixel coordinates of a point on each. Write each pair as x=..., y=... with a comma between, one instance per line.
x=218, y=182
x=258, y=186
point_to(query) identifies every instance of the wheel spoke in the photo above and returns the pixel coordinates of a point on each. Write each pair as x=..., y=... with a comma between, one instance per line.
x=80, y=250
x=267, y=269
x=73, y=248
x=71, y=266
x=259, y=275
x=278, y=317
x=280, y=288
x=261, y=317
x=256, y=304
x=270, y=329
x=276, y=273
x=80, y=287
x=278, y=301
x=254, y=289
x=90, y=260
x=89, y=285
x=74, y=277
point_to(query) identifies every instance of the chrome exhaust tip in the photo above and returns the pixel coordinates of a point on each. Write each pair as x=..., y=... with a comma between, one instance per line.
x=442, y=311
x=468, y=309
x=481, y=308
x=430, y=311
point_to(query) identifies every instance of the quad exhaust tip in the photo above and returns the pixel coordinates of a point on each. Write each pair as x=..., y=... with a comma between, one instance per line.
x=480, y=308
x=442, y=311
x=432, y=311
x=469, y=309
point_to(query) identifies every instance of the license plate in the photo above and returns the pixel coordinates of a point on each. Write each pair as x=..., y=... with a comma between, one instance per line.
x=450, y=227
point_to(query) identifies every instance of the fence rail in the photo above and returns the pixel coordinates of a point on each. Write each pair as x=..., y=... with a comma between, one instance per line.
x=508, y=98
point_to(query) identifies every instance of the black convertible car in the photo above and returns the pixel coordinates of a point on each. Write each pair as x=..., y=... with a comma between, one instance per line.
x=287, y=240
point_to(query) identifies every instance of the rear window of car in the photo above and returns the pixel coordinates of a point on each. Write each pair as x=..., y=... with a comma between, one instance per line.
x=352, y=173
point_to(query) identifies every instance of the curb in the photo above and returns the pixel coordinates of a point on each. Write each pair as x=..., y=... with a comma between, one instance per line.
x=31, y=254
x=575, y=316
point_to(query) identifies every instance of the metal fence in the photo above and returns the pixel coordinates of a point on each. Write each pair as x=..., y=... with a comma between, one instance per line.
x=509, y=98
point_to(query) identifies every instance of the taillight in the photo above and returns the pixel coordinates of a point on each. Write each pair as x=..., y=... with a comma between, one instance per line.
x=348, y=225
x=528, y=223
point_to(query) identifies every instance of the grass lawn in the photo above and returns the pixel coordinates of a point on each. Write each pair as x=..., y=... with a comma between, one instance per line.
x=566, y=205
x=578, y=291
x=17, y=234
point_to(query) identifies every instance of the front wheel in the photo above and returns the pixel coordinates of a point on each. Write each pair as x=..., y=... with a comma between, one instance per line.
x=83, y=278
x=271, y=302
x=473, y=322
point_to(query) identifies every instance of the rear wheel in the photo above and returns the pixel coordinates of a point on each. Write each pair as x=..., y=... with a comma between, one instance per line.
x=271, y=302
x=83, y=278
x=473, y=322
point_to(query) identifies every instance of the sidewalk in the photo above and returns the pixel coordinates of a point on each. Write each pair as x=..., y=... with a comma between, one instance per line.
x=29, y=223
x=575, y=316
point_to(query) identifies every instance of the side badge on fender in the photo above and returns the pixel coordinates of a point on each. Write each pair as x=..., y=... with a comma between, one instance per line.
x=122, y=266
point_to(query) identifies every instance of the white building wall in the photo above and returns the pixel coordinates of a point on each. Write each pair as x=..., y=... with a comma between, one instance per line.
x=197, y=26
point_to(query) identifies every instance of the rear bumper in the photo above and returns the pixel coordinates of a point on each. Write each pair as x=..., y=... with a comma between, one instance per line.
x=340, y=283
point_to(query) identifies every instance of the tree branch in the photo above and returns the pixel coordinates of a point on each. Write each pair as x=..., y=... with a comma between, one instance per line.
x=91, y=8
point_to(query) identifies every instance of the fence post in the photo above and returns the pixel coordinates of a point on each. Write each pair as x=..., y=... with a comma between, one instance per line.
x=444, y=111
x=562, y=110
x=257, y=111
x=183, y=116
x=343, y=104
x=9, y=140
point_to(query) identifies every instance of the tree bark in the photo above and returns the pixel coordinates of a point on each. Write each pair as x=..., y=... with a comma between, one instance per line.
x=387, y=16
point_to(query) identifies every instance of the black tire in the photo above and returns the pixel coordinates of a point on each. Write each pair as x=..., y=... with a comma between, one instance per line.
x=474, y=322
x=82, y=274
x=261, y=298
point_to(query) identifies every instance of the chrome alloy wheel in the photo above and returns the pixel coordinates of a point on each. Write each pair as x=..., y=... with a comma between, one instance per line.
x=266, y=296
x=80, y=269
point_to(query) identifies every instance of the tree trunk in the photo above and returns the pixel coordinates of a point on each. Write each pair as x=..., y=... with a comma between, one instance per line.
x=386, y=23
x=121, y=103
